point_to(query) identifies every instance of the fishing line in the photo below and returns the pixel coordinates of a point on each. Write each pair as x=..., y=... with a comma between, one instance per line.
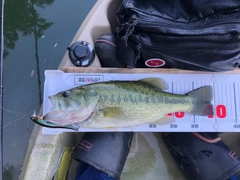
x=12, y=112
x=15, y=112
x=25, y=114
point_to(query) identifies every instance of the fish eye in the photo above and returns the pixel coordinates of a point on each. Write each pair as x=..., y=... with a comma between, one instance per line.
x=66, y=94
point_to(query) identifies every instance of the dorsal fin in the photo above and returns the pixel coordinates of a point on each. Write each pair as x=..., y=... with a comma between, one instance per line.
x=156, y=82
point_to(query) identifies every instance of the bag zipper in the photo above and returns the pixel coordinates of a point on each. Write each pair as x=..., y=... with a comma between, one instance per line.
x=202, y=45
x=153, y=26
x=148, y=24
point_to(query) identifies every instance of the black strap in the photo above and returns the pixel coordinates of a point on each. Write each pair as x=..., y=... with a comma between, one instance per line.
x=126, y=54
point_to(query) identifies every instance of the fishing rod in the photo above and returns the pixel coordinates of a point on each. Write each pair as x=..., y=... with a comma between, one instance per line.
x=1, y=89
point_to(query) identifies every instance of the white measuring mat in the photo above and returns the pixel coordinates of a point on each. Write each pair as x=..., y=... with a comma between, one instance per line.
x=226, y=99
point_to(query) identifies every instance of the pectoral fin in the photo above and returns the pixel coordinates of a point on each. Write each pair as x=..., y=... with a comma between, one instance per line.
x=111, y=112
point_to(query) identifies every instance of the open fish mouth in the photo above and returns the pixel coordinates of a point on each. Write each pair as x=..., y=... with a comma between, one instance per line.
x=63, y=114
x=54, y=102
x=57, y=113
x=58, y=105
x=58, y=110
x=55, y=110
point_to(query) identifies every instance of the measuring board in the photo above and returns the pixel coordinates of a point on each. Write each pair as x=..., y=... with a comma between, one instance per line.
x=226, y=99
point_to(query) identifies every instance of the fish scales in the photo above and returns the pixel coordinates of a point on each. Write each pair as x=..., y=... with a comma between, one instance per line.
x=137, y=101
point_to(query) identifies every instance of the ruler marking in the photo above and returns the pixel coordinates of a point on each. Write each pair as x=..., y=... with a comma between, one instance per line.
x=221, y=120
x=235, y=101
x=238, y=85
x=229, y=110
x=214, y=102
x=225, y=100
x=231, y=103
x=194, y=120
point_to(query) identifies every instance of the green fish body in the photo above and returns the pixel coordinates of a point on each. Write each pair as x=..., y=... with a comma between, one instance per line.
x=116, y=104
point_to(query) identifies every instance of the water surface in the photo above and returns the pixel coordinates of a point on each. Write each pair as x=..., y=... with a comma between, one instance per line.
x=37, y=33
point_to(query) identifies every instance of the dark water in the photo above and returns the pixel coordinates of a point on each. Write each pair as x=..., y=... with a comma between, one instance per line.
x=37, y=33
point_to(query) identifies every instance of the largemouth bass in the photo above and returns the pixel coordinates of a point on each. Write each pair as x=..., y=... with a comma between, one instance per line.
x=123, y=104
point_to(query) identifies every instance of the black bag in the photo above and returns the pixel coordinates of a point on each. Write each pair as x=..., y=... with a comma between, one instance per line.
x=185, y=34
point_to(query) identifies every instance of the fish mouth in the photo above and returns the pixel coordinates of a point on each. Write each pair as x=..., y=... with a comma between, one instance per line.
x=58, y=111
x=58, y=105
x=61, y=115
x=53, y=102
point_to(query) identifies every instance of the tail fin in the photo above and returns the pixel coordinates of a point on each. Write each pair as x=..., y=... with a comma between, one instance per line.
x=202, y=101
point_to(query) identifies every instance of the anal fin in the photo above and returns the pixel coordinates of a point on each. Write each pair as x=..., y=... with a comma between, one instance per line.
x=164, y=120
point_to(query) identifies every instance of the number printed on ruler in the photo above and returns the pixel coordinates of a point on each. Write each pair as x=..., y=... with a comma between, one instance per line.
x=220, y=112
x=84, y=79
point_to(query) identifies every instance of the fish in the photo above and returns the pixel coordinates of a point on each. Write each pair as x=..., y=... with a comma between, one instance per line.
x=119, y=104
